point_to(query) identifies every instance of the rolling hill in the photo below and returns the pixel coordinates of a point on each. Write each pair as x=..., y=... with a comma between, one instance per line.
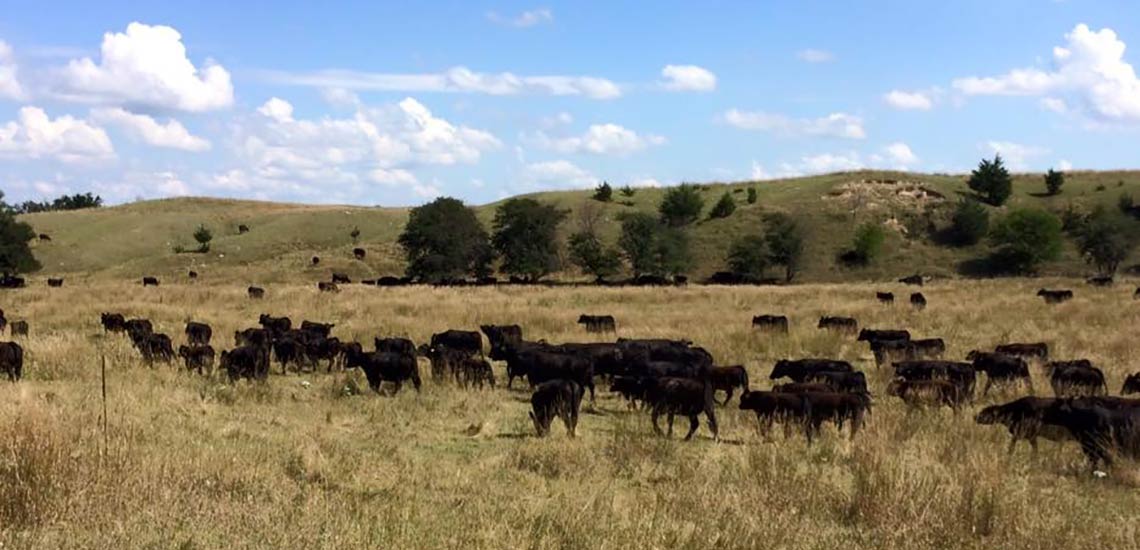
x=137, y=238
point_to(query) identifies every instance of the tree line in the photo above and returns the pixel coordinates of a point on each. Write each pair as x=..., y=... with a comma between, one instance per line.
x=65, y=202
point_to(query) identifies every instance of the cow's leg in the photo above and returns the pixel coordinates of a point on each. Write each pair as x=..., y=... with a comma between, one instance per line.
x=729, y=396
x=694, y=423
x=670, y=424
x=710, y=414
x=989, y=382
x=656, y=427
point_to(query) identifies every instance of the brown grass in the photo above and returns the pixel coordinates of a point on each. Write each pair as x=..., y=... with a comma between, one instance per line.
x=196, y=463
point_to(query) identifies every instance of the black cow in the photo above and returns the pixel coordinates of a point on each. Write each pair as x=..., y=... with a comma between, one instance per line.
x=256, y=337
x=113, y=322
x=1036, y=350
x=845, y=325
x=192, y=274
x=138, y=327
x=55, y=283
x=156, y=347
x=341, y=279
x=290, y=349
x=889, y=351
x=321, y=329
x=358, y=253
x=1076, y=379
x=12, y=360
x=255, y=293
x=770, y=323
x=1136, y=295
x=772, y=406
x=542, y=363
x=11, y=281
x=555, y=398
x=1055, y=296
x=275, y=325
x=316, y=260
x=844, y=382
x=918, y=392
x=915, y=279
x=474, y=371
x=632, y=388
x=961, y=375
x=327, y=287
x=250, y=362
x=198, y=334
x=1101, y=431
x=18, y=328
x=1131, y=384
x=380, y=367
x=598, y=323
x=800, y=370
x=802, y=387
x=681, y=352
x=727, y=379
x=1000, y=369
x=1024, y=420
x=467, y=341
x=685, y=397
x=871, y=335
x=502, y=337
x=243, y=229
x=320, y=348
x=839, y=408
x=199, y=358
x=45, y=237
x=918, y=301
x=885, y=297
x=150, y=281
x=1100, y=280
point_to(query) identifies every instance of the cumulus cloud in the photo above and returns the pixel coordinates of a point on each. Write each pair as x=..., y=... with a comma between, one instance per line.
x=557, y=174
x=812, y=55
x=172, y=134
x=909, y=101
x=840, y=125
x=454, y=80
x=688, y=78
x=599, y=139
x=822, y=163
x=9, y=83
x=1054, y=104
x=1089, y=72
x=1017, y=155
x=525, y=19
x=1064, y=165
x=35, y=135
x=900, y=154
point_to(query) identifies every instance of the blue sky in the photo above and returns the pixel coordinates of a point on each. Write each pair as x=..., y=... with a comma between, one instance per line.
x=393, y=103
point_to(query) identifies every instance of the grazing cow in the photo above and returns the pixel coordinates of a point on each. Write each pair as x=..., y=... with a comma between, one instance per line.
x=380, y=367
x=799, y=370
x=1100, y=280
x=243, y=229
x=771, y=406
x=1131, y=384
x=18, y=328
x=358, y=253
x=632, y=388
x=156, y=347
x=1000, y=368
x=113, y=322
x=802, y=387
x=138, y=327
x=919, y=392
x=555, y=398
x=839, y=408
x=889, y=351
x=327, y=287
x=540, y=364
x=685, y=397
x=962, y=375
x=598, y=323
x=843, y=382
x=256, y=337
x=11, y=281
x=249, y=362
x=465, y=341
x=501, y=338
x=885, y=297
x=727, y=379
x=255, y=293
x=12, y=360
x=771, y=323
x=1055, y=296
x=1101, y=431
x=871, y=335
x=1024, y=420
x=150, y=281
x=275, y=325
x=1076, y=379
x=320, y=329
x=845, y=325
x=199, y=358
x=341, y=279
x=918, y=301
x=316, y=260
x=1036, y=350
x=474, y=371
x=198, y=334
x=192, y=274
x=320, y=348
x=289, y=349
x=55, y=283
x=915, y=279
x=401, y=346
x=389, y=280
x=634, y=352
x=45, y=237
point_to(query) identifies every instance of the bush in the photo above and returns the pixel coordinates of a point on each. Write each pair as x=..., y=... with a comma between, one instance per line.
x=1025, y=239
x=15, y=254
x=991, y=181
x=653, y=248
x=681, y=205
x=724, y=207
x=867, y=244
x=525, y=236
x=785, y=242
x=588, y=253
x=444, y=240
x=628, y=191
x=203, y=236
x=751, y=195
x=969, y=223
x=1054, y=181
x=748, y=256
x=1104, y=241
x=603, y=192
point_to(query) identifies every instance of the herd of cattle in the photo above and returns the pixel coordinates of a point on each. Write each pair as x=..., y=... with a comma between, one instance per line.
x=676, y=378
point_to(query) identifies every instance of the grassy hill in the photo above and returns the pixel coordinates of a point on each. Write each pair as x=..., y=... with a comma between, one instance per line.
x=140, y=238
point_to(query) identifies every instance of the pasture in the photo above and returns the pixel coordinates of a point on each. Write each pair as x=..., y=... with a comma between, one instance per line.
x=316, y=460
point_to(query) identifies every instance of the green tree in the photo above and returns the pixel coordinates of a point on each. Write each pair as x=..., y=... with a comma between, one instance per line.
x=15, y=254
x=991, y=181
x=867, y=244
x=1024, y=239
x=1104, y=241
x=723, y=207
x=603, y=192
x=681, y=205
x=672, y=251
x=638, y=241
x=203, y=236
x=751, y=195
x=627, y=191
x=525, y=234
x=1054, y=181
x=592, y=257
x=970, y=222
x=749, y=256
x=444, y=240
x=785, y=242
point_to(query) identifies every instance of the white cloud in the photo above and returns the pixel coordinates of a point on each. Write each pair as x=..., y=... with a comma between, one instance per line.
x=170, y=185
x=525, y=19
x=1017, y=155
x=827, y=162
x=393, y=176
x=840, y=125
x=558, y=174
x=812, y=55
x=277, y=109
x=1054, y=104
x=758, y=172
x=9, y=83
x=1064, y=165
x=900, y=154
x=37, y=136
x=688, y=78
x=146, y=66
x=454, y=80
x=599, y=139
x=340, y=97
x=909, y=101
x=1089, y=71
x=561, y=119
x=645, y=182
x=171, y=135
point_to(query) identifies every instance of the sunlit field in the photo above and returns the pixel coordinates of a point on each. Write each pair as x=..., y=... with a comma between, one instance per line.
x=317, y=460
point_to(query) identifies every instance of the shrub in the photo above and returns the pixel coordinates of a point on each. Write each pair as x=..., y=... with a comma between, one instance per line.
x=785, y=242
x=969, y=223
x=748, y=256
x=627, y=191
x=1104, y=241
x=203, y=236
x=15, y=254
x=1025, y=239
x=681, y=205
x=723, y=207
x=991, y=181
x=652, y=247
x=588, y=253
x=751, y=195
x=867, y=244
x=603, y=192
x=1054, y=181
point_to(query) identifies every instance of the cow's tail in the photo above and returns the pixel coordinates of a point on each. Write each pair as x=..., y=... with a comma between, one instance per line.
x=745, y=387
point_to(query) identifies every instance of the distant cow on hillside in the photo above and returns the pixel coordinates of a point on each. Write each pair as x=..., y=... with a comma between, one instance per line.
x=243, y=229
x=55, y=283
x=918, y=301
x=316, y=260
x=912, y=280
x=45, y=237
x=255, y=293
x=598, y=323
x=192, y=274
x=839, y=324
x=341, y=279
x=770, y=323
x=150, y=281
x=1055, y=296
x=885, y=297
x=1100, y=280
x=327, y=287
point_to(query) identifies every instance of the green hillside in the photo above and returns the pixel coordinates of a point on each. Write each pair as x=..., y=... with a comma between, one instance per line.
x=139, y=238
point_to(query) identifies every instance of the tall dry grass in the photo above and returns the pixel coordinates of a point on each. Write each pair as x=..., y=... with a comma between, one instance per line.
x=197, y=463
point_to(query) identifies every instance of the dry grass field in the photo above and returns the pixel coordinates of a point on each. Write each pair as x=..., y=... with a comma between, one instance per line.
x=303, y=461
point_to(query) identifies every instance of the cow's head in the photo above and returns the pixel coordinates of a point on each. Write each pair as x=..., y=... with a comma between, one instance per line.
x=1131, y=384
